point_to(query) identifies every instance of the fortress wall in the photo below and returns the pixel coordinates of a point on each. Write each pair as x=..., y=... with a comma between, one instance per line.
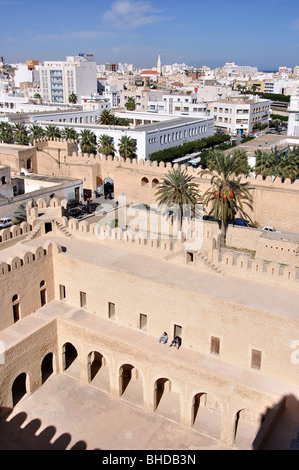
x=16, y=156
x=259, y=269
x=26, y=356
x=200, y=316
x=21, y=277
x=275, y=202
x=14, y=234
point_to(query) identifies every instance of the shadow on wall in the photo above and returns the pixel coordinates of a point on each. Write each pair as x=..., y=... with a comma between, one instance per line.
x=16, y=436
x=279, y=428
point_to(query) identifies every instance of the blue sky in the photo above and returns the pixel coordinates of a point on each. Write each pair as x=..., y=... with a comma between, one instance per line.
x=262, y=33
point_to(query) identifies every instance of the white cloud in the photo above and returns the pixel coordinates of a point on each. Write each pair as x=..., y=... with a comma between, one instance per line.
x=72, y=35
x=133, y=14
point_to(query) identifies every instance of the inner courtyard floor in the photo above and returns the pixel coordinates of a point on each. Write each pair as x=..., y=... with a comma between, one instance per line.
x=65, y=414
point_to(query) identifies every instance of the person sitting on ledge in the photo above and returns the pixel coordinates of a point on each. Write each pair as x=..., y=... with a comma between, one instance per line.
x=163, y=338
x=176, y=342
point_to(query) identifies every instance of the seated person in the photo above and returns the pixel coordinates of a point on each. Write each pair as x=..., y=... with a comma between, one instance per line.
x=176, y=342
x=163, y=338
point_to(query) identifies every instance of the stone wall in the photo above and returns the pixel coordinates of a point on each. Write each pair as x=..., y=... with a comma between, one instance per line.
x=15, y=274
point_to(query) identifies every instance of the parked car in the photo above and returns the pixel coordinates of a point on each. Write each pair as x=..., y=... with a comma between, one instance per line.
x=270, y=229
x=72, y=203
x=210, y=218
x=5, y=223
x=241, y=222
x=76, y=213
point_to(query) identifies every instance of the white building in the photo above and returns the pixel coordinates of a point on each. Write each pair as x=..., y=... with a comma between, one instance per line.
x=238, y=115
x=23, y=73
x=232, y=68
x=293, y=122
x=177, y=104
x=151, y=132
x=60, y=79
x=13, y=102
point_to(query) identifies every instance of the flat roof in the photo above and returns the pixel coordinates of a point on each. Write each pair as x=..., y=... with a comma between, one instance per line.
x=252, y=293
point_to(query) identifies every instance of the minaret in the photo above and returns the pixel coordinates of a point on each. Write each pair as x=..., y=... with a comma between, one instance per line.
x=159, y=66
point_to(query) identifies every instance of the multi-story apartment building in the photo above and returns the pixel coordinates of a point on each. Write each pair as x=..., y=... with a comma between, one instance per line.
x=62, y=78
x=293, y=122
x=177, y=104
x=239, y=115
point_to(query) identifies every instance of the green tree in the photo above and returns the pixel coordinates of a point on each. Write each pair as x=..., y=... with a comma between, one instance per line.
x=178, y=188
x=69, y=133
x=130, y=104
x=88, y=141
x=239, y=155
x=20, y=215
x=20, y=134
x=52, y=132
x=263, y=163
x=226, y=196
x=107, y=118
x=6, y=133
x=73, y=98
x=127, y=147
x=36, y=132
x=106, y=146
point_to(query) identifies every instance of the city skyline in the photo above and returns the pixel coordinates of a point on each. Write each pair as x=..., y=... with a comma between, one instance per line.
x=264, y=34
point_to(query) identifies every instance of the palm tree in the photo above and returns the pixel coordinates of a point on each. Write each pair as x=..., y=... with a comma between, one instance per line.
x=289, y=165
x=20, y=215
x=178, y=188
x=20, y=134
x=88, y=141
x=52, y=132
x=127, y=147
x=106, y=118
x=106, y=145
x=73, y=98
x=69, y=133
x=226, y=196
x=6, y=133
x=240, y=155
x=130, y=104
x=36, y=132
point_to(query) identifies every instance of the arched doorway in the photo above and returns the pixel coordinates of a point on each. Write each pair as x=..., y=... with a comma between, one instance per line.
x=246, y=428
x=19, y=388
x=166, y=399
x=70, y=361
x=98, y=371
x=130, y=384
x=108, y=188
x=47, y=367
x=206, y=415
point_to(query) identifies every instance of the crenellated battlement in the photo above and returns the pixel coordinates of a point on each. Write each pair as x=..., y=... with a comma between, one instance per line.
x=16, y=263
x=14, y=234
x=244, y=265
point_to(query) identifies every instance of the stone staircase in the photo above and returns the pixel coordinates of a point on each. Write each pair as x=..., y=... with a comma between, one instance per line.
x=209, y=264
x=63, y=229
x=174, y=254
x=32, y=234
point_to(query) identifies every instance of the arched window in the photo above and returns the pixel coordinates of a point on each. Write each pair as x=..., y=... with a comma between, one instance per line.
x=16, y=307
x=43, y=293
x=144, y=181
